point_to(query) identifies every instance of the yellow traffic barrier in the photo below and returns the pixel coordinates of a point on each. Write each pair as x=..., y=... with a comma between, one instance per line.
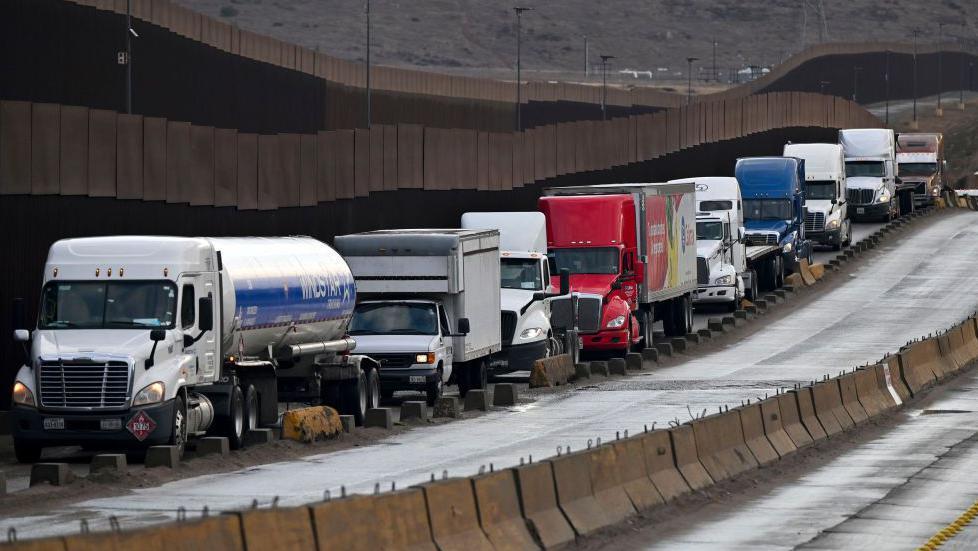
x=806, y=273
x=311, y=424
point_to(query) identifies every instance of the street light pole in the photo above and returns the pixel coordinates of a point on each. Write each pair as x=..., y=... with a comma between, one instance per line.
x=915, y=124
x=689, y=79
x=368, y=63
x=587, y=61
x=716, y=76
x=604, y=85
x=855, y=84
x=519, y=17
x=886, y=78
x=129, y=33
x=940, y=67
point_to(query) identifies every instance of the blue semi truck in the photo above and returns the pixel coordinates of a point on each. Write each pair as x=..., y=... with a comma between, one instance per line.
x=773, y=193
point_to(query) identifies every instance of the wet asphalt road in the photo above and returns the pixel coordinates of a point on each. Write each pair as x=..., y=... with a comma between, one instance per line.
x=918, y=284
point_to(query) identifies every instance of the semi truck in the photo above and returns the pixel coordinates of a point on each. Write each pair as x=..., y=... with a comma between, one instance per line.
x=153, y=340
x=827, y=214
x=774, y=214
x=633, y=244
x=429, y=310
x=871, y=183
x=525, y=273
x=921, y=164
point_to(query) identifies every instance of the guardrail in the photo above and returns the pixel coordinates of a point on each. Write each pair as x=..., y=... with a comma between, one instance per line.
x=69, y=150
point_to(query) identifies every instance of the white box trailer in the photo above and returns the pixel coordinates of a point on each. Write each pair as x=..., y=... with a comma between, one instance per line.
x=407, y=279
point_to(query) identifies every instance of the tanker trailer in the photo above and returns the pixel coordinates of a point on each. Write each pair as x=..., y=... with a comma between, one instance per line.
x=145, y=340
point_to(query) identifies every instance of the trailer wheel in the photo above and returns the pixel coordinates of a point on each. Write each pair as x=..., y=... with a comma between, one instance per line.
x=752, y=291
x=778, y=272
x=251, y=409
x=373, y=387
x=479, y=374
x=645, y=330
x=232, y=424
x=354, y=397
x=26, y=452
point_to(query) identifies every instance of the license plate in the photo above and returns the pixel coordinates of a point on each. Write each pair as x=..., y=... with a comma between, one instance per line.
x=860, y=210
x=110, y=424
x=416, y=379
x=54, y=423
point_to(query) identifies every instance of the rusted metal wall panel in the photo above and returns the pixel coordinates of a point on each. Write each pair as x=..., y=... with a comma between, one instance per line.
x=154, y=158
x=177, y=161
x=101, y=153
x=225, y=168
x=269, y=167
x=288, y=181
x=202, y=165
x=307, y=170
x=410, y=156
x=326, y=166
x=362, y=162
x=247, y=172
x=45, y=148
x=390, y=157
x=376, y=158
x=129, y=157
x=15, y=147
x=345, y=159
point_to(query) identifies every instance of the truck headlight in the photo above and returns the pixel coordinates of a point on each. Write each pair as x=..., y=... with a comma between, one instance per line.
x=787, y=248
x=935, y=191
x=885, y=196
x=723, y=280
x=531, y=333
x=428, y=358
x=617, y=322
x=150, y=394
x=832, y=224
x=23, y=395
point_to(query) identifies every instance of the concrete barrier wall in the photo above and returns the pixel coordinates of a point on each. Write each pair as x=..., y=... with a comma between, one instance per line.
x=550, y=503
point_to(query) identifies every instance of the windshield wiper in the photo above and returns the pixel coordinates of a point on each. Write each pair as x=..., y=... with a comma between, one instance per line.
x=363, y=332
x=61, y=323
x=130, y=323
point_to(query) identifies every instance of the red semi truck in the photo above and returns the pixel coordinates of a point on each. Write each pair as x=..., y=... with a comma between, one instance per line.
x=633, y=244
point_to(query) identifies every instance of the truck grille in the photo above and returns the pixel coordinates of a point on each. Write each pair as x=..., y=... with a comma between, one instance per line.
x=84, y=384
x=702, y=271
x=860, y=196
x=920, y=188
x=815, y=221
x=394, y=361
x=754, y=239
x=508, y=326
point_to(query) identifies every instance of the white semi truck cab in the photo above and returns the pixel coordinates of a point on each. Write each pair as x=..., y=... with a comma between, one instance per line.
x=870, y=157
x=152, y=340
x=524, y=273
x=827, y=209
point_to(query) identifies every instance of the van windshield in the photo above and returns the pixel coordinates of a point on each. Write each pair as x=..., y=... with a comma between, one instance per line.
x=521, y=273
x=104, y=305
x=819, y=190
x=918, y=169
x=597, y=260
x=767, y=209
x=394, y=318
x=868, y=169
x=709, y=231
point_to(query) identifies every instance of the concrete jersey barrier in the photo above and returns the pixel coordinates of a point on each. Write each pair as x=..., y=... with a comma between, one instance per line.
x=774, y=426
x=500, y=513
x=721, y=446
x=575, y=495
x=752, y=423
x=829, y=408
x=806, y=410
x=634, y=475
x=453, y=516
x=850, y=399
x=607, y=484
x=660, y=463
x=921, y=365
x=538, y=497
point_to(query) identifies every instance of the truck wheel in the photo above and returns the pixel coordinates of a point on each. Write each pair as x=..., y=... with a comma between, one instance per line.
x=26, y=452
x=686, y=313
x=478, y=375
x=354, y=397
x=752, y=291
x=373, y=388
x=251, y=409
x=178, y=432
x=434, y=389
x=232, y=424
x=461, y=373
x=645, y=330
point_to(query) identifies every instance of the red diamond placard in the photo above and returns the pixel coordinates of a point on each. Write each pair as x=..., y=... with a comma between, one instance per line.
x=141, y=425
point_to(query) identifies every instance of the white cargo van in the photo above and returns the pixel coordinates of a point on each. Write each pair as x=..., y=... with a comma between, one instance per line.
x=429, y=305
x=826, y=218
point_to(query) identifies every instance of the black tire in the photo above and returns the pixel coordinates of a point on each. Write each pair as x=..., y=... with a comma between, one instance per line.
x=26, y=452
x=354, y=398
x=478, y=375
x=848, y=240
x=252, y=409
x=678, y=320
x=778, y=272
x=233, y=423
x=373, y=389
x=645, y=330
x=461, y=373
x=178, y=426
x=435, y=388
x=686, y=313
x=752, y=291
x=669, y=319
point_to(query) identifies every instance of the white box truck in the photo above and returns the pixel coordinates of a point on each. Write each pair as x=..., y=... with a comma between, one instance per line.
x=525, y=273
x=827, y=213
x=429, y=305
x=145, y=340
x=870, y=157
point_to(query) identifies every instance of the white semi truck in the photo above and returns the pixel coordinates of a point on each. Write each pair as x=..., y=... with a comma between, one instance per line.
x=870, y=157
x=525, y=273
x=429, y=306
x=151, y=340
x=826, y=208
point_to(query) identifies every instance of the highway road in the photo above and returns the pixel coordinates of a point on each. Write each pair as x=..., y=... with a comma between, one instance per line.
x=916, y=284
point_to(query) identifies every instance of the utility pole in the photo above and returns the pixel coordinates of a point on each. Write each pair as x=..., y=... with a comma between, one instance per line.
x=368, y=63
x=604, y=85
x=855, y=84
x=886, y=79
x=915, y=125
x=129, y=34
x=716, y=76
x=587, y=60
x=689, y=79
x=519, y=17
x=940, y=67
x=961, y=86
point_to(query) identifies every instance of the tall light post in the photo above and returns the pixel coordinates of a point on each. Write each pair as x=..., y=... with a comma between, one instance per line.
x=130, y=34
x=604, y=85
x=587, y=60
x=886, y=79
x=367, y=13
x=940, y=67
x=915, y=124
x=716, y=76
x=519, y=18
x=689, y=79
x=855, y=84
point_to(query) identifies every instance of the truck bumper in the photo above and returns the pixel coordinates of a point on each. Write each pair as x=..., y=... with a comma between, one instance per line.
x=609, y=340
x=869, y=212
x=413, y=378
x=518, y=357
x=830, y=237
x=85, y=428
x=923, y=200
x=715, y=295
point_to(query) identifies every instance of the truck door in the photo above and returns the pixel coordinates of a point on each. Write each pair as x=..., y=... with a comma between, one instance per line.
x=205, y=347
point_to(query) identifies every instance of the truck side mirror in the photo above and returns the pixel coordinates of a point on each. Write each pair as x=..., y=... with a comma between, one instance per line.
x=564, y=281
x=205, y=316
x=834, y=201
x=22, y=335
x=463, y=326
x=155, y=335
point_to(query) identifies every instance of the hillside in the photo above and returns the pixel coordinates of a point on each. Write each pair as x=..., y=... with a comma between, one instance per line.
x=477, y=36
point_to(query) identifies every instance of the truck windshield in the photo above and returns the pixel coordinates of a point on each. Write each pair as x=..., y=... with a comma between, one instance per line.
x=709, y=231
x=403, y=318
x=521, y=273
x=918, y=169
x=767, y=209
x=819, y=190
x=597, y=260
x=715, y=205
x=868, y=169
x=104, y=305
